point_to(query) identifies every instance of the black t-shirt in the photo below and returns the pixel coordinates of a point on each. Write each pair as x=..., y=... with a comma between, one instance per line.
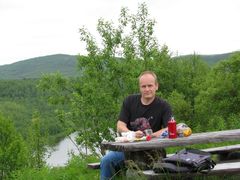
x=157, y=113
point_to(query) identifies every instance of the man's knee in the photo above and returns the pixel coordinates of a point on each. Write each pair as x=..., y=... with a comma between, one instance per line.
x=111, y=162
x=105, y=161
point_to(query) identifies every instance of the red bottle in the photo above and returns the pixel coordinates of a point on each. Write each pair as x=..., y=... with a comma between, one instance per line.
x=172, y=128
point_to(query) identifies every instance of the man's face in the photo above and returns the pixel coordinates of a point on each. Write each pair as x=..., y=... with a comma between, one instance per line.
x=148, y=86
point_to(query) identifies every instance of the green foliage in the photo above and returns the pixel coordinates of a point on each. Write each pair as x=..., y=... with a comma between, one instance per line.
x=20, y=99
x=13, y=151
x=59, y=92
x=37, y=142
x=18, y=89
x=17, y=112
x=216, y=123
x=58, y=88
x=220, y=94
x=181, y=108
x=190, y=73
x=75, y=169
x=233, y=121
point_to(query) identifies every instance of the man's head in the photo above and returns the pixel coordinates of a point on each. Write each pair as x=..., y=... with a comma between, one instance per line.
x=148, y=85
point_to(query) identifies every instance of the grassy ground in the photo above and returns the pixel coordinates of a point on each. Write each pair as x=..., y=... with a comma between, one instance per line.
x=76, y=169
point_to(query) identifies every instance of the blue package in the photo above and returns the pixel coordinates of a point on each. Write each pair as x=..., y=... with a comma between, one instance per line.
x=164, y=134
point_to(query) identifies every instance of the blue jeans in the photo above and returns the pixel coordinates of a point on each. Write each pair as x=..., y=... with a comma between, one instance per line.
x=111, y=163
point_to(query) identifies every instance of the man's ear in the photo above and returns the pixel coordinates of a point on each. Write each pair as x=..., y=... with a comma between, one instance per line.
x=157, y=86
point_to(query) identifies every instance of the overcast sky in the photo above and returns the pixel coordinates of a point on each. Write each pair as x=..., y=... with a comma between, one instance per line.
x=32, y=28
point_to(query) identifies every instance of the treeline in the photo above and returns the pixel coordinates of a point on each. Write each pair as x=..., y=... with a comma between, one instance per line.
x=20, y=100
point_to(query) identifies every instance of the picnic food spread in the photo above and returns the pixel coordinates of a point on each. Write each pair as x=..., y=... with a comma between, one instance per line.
x=130, y=137
x=182, y=131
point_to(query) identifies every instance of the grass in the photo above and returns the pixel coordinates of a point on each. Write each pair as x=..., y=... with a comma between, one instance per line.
x=76, y=169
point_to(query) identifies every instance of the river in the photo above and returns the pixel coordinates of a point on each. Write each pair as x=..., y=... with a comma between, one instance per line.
x=61, y=153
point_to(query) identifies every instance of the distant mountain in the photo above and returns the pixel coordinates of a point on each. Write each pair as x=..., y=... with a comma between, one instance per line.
x=213, y=59
x=36, y=67
x=210, y=59
x=65, y=64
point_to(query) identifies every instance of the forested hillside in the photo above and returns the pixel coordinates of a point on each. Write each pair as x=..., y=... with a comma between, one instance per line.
x=21, y=100
x=37, y=66
x=211, y=59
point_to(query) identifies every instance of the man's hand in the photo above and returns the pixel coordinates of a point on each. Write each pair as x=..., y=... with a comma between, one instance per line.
x=122, y=127
x=139, y=134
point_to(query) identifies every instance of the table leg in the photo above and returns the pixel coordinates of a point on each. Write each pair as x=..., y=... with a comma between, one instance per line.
x=143, y=160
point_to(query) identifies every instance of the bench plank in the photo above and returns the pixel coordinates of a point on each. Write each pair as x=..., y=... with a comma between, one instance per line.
x=219, y=169
x=223, y=149
x=94, y=165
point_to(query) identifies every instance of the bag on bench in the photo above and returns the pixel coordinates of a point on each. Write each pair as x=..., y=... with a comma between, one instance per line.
x=186, y=160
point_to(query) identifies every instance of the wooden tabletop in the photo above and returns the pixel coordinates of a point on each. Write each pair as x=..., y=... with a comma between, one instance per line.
x=156, y=143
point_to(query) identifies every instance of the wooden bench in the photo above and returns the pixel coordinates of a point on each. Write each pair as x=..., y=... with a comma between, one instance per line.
x=95, y=165
x=223, y=149
x=220, y=150
x=226, y=167
x=221, y=169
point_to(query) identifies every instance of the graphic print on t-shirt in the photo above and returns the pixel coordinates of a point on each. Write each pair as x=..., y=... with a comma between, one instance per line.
x=140, y=124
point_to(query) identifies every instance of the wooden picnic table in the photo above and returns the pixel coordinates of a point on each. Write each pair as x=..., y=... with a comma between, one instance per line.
x=157, y=143
x=140, y=151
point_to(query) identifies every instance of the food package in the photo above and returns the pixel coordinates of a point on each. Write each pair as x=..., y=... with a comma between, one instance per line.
x=126, y=137
x=183, y=130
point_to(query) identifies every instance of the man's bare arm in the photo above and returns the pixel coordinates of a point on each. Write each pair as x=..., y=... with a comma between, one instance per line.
x=159, y=132
x=122, y=127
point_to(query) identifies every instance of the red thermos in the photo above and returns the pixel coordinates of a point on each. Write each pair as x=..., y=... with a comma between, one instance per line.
x=172, y=128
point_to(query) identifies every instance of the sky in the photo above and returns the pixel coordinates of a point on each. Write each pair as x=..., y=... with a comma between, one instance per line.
x=33, y=28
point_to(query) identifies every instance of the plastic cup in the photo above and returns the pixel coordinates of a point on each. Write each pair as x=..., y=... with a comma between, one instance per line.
x=148, y=132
